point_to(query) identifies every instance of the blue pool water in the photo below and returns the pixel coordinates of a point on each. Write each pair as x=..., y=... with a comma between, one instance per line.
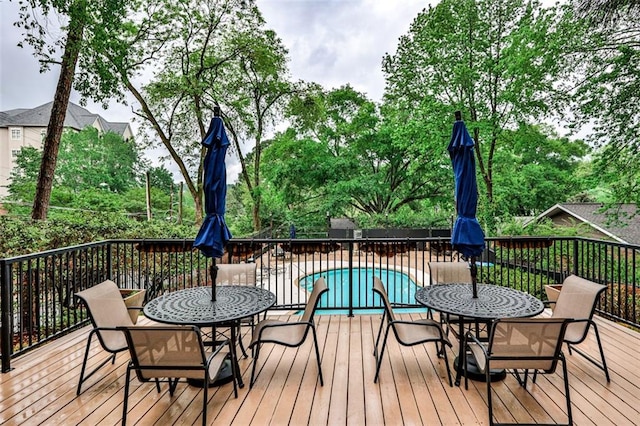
x=400, y=289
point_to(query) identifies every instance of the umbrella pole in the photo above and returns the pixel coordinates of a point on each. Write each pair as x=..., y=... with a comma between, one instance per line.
x=474, y=276
x=214, y=276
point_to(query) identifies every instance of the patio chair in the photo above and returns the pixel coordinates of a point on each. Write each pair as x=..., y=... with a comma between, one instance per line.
x=578, y=299
x=520, y=344
x=239, y=274
x=408, y=333
x=449, y=273
x=107, y=310
x=291, y=334
x=170, y=353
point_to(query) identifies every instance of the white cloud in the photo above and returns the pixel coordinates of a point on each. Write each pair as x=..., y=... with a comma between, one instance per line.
x=338, y=42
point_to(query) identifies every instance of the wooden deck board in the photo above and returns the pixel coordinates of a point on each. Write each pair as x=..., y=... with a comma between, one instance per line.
x=412, y=389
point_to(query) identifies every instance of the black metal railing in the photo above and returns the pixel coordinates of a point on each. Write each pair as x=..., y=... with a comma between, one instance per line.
x=37, y=303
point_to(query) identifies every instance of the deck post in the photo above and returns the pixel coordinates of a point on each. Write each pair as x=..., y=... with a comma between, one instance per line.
x=5, y=307
x=351, y=244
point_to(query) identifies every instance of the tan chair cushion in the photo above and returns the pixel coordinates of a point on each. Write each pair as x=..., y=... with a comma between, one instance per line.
x=449, y=272
x=577, y=300
x=107, y=309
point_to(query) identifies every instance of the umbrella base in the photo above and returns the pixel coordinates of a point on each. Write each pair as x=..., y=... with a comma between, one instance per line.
x=474, y=373
x=224, y=376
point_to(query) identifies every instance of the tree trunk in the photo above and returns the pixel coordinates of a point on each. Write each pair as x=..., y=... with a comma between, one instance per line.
x=56, y=121
x=257, y=225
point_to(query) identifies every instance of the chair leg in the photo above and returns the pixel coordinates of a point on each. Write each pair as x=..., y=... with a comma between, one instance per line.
x=84, y=363
x=315, y=342
x=173, y=384
x=379, y=360
x=205, y=397
x=126, y=396
x=566, y=389
x=83, y=378
x=255, y=361
x=446, y=361
x=489, y=400
x=375, y=349
x=603, y=364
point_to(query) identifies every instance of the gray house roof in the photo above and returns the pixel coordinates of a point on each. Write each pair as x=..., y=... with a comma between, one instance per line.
x=621, y=223
x=77, y=118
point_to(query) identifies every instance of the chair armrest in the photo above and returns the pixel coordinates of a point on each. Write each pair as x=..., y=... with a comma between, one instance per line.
x=130, y=308
x=483, y=364
x=288, y=324
x=477, y=340
x=108, y=329
x=220, y=344
x=422, y=323
x=425, y=321
x=264, y=327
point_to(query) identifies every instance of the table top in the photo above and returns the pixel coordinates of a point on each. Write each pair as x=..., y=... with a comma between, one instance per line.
x=193, y=306
x=492, y=302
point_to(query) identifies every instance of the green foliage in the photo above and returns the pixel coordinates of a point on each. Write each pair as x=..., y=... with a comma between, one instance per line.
x=25, y=174
x=543, y=228
x=343, y=159
x=89, y=160
x=607, y=98
x=519, y=278
x=425, y=217
x=96, y=173
x=162, y=179
x=536, y=169
x=99, y=23
x=63, y=229
x=499, y=62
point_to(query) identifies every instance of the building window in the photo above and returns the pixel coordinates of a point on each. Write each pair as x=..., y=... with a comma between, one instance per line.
x=16, y=133
x=14, y=153
x=43, y=134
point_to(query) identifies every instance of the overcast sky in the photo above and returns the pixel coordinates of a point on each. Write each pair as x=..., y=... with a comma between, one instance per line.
x=331, y=42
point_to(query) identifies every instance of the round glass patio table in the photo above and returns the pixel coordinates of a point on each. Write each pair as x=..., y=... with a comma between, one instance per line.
x=193, y=306
x=492, y=302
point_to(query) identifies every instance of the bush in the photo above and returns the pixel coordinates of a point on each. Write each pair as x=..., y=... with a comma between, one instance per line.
x=22, y=236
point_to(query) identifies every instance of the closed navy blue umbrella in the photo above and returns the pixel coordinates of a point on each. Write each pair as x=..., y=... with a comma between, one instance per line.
x=467, y=237
x=214, y=234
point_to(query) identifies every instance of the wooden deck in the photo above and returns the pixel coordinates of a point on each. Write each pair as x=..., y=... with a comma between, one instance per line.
x=412, y=387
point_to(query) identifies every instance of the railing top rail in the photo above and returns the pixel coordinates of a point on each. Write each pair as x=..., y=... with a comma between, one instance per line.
x=189, y=241
x=25, y=257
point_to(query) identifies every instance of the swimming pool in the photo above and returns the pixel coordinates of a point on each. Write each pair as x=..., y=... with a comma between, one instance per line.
x=401, y=289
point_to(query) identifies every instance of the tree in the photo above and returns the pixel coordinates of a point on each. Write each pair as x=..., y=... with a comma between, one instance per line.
x=24, y=175
x=536, y=169
x=88, y=26
x=254, y=88
x=89, y=160
x=162, y=179
x=607, y=93
x=497, y=61
x=93, y=170
x=202, y=54
x=342, y=157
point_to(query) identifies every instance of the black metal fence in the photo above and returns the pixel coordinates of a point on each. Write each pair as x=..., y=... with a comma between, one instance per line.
x=37, y=303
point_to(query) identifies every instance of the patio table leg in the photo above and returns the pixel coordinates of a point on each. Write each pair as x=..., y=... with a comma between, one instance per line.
x=461, y=356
